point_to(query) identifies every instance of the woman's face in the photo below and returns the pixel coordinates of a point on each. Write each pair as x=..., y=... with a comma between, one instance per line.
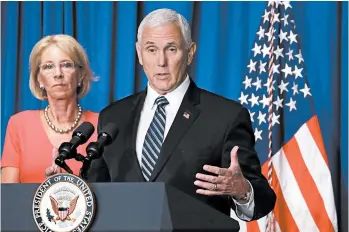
x=58, y=74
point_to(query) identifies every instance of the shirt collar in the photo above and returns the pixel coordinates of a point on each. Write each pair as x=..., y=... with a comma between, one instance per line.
x=174, y=98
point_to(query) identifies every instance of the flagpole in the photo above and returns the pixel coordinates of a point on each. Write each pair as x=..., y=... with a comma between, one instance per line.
x=270, y=217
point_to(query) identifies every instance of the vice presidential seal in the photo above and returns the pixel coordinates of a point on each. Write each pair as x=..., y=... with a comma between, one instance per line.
x=64, y=202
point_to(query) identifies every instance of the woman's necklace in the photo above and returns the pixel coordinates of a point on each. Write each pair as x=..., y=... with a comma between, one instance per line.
x=58, y=130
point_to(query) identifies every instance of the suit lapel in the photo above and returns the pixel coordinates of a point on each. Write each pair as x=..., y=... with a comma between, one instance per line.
x=131, y=133
x=185, y=117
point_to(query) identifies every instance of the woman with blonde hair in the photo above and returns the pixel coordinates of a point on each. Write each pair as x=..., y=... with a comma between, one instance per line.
x=59, y=73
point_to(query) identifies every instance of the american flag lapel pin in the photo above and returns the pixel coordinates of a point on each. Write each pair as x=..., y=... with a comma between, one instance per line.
x=186, y=115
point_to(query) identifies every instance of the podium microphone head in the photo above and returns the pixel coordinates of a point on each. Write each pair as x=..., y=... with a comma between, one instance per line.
x=83, y=132
x=67, y=150
x=109, y=132
x=107, y=135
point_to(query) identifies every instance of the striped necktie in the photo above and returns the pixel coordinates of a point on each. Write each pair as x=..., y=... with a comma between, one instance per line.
x=154, y=138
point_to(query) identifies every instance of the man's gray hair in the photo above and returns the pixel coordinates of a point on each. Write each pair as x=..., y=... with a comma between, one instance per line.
x=165, y=16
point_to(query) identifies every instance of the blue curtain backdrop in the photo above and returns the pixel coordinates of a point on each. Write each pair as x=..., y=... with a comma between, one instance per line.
x=224, y=32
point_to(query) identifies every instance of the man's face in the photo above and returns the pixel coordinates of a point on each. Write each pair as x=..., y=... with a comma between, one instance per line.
x=164, y=57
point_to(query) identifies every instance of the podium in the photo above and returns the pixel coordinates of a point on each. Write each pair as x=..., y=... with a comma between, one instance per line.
x=131, y=207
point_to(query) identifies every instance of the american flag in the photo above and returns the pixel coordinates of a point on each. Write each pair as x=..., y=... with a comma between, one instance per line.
x=287, y=132
x=186, y=115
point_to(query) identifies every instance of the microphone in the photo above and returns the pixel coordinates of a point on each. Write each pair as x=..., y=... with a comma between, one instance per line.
x=67, y=150
x=95, y=149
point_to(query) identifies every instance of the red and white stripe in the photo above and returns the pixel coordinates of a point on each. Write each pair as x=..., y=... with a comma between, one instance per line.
x=302, y=183
x=63, y=214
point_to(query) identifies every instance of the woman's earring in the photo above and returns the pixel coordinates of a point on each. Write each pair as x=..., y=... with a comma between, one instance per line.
x=79, y=89
x=44, y=93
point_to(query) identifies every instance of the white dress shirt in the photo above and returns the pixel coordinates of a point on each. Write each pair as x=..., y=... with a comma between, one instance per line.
x=244, y=211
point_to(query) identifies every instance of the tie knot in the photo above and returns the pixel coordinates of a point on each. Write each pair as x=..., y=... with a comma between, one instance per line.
x=161, y=101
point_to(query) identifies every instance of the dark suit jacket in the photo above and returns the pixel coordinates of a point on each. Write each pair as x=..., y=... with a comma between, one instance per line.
x=214, y=127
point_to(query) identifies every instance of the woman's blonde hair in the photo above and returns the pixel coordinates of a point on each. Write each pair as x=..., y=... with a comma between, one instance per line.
x=69, y=46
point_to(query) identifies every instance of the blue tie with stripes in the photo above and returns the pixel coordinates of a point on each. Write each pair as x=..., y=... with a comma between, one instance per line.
x=154, y=138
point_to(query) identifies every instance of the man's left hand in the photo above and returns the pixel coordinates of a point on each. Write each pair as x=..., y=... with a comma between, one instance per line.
x=230, y=181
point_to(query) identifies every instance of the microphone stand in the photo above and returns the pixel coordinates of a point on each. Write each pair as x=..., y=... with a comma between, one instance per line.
x=65, y=167
x=86, y=163
x=62, y=164
x=69, y=152
x=93, y=150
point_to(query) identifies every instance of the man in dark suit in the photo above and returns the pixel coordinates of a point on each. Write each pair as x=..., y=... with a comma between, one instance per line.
x=175, y=132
